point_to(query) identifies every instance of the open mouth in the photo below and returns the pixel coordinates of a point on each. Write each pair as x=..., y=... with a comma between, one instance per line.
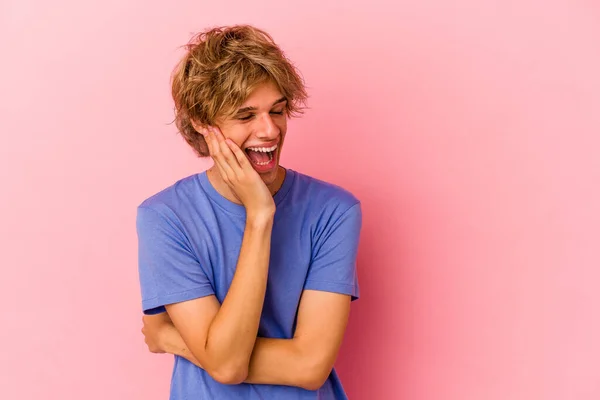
x=261, y=156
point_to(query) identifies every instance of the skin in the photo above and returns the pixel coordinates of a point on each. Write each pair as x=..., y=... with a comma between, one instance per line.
x=265, y=124
x=222, y=338
x=304, y=361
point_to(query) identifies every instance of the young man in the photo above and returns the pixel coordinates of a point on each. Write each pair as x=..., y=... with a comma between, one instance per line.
x=247, y=270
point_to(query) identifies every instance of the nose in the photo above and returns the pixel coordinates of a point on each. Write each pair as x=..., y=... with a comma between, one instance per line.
x=266, y=129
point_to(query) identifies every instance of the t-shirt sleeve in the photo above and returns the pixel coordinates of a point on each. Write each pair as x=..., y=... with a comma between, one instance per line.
x=333, y=262
x=169, y=272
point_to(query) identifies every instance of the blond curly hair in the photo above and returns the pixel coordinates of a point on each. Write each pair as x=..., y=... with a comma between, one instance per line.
x=219, y=70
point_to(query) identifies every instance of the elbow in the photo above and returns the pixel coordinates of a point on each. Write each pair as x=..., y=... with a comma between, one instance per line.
x=315, y=376
x=232, y=371
x=314, y=381
x=230, y=375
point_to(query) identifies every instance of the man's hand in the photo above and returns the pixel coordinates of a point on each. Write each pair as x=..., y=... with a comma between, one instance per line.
x=153, y=329
x=237, y=171
x=161, y=336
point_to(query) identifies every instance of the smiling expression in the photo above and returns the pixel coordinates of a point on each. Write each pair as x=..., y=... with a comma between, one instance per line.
x=258, y=127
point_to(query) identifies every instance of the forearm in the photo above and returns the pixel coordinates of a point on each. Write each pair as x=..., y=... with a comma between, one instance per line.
x=283, y=362
x=233, y=331
x=273, y=361
x=171, y=342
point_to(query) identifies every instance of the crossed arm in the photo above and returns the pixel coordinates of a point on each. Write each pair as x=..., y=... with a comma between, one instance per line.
x=305, y=360
x=222, y=338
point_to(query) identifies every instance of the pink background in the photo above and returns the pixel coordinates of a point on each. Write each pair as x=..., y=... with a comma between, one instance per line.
x=469, y=129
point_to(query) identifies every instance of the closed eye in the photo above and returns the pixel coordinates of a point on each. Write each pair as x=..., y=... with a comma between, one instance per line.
x=248, y=117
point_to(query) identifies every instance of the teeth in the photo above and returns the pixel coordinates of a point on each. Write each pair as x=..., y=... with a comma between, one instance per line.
x=263, y=149
x=266, y=162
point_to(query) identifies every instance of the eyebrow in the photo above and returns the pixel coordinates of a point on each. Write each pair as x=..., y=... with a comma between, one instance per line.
x=246, y=109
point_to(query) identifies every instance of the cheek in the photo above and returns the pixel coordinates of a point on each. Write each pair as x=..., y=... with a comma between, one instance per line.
x=238, y=136
x=282, y=125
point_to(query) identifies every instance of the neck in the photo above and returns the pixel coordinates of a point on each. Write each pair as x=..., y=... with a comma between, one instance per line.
x=214, y=177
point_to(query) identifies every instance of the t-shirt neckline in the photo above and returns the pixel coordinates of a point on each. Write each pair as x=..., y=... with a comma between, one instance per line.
x=239, y=209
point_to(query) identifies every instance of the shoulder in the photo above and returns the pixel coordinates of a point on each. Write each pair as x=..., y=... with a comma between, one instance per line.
x=171, y=202
x=333, y=212
x=326, y=196
x=172, y=195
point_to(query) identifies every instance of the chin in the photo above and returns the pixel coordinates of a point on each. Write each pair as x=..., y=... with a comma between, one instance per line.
x=270, y=177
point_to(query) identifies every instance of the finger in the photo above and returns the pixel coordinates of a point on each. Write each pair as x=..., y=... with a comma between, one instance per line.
x=222, y=171
x=202, y=131
x=226, y=151
x=230, y=163
x=209, y=142
x=238, y=153
x=221, y=140
x=226, y=171
x=218, y=134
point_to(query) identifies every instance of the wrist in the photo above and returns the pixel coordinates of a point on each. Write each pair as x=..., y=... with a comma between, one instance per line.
x=260, y=218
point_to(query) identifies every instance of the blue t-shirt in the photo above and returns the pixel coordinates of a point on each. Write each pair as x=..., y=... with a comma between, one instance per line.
x=189, y=242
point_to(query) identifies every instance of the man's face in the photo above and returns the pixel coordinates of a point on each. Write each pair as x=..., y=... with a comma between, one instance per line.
x=258, y=128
